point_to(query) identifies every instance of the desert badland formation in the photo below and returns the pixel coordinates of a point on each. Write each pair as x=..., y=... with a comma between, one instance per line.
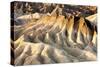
x=53, y=33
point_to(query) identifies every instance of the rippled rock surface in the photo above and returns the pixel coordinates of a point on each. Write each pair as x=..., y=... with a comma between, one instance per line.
x=55, y=36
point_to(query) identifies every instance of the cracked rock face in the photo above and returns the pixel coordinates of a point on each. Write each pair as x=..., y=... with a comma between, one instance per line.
x=53, y=38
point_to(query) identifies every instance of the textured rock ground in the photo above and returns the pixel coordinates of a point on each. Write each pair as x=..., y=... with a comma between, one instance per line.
x=53, y=38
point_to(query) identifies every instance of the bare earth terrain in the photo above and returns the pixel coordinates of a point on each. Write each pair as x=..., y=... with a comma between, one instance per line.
x=52, y=33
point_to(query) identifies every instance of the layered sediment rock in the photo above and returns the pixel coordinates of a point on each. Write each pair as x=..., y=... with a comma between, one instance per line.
x=53, y=39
